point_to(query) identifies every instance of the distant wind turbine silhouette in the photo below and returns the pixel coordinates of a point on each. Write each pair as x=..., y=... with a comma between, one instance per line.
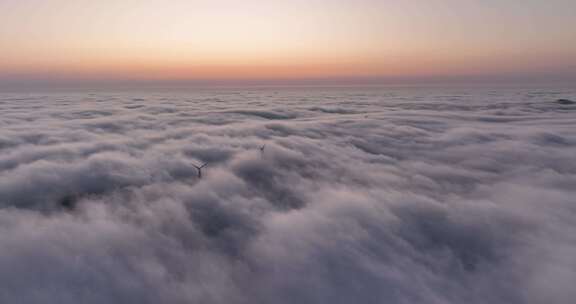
x=199, y=169
x=262, y=149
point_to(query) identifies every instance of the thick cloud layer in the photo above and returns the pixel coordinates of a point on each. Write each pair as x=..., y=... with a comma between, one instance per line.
x=360, y=196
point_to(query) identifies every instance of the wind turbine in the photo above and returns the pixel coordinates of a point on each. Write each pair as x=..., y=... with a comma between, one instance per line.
x=262, y=149
x=199, y=169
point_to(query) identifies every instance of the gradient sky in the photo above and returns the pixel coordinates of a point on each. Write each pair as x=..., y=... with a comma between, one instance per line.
x=175, y=40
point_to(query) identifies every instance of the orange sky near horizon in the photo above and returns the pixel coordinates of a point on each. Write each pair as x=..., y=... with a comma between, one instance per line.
x=257, y=39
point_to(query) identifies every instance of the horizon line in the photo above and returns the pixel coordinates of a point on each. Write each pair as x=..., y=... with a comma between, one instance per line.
x=431, y=80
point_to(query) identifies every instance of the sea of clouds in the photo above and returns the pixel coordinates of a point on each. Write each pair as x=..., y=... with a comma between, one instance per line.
x=360, y=196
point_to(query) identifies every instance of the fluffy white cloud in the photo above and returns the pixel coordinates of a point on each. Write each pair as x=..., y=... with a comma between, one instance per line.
x=374, y=196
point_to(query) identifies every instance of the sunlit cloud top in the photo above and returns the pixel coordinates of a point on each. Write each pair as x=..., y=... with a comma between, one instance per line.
x=257, y=39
